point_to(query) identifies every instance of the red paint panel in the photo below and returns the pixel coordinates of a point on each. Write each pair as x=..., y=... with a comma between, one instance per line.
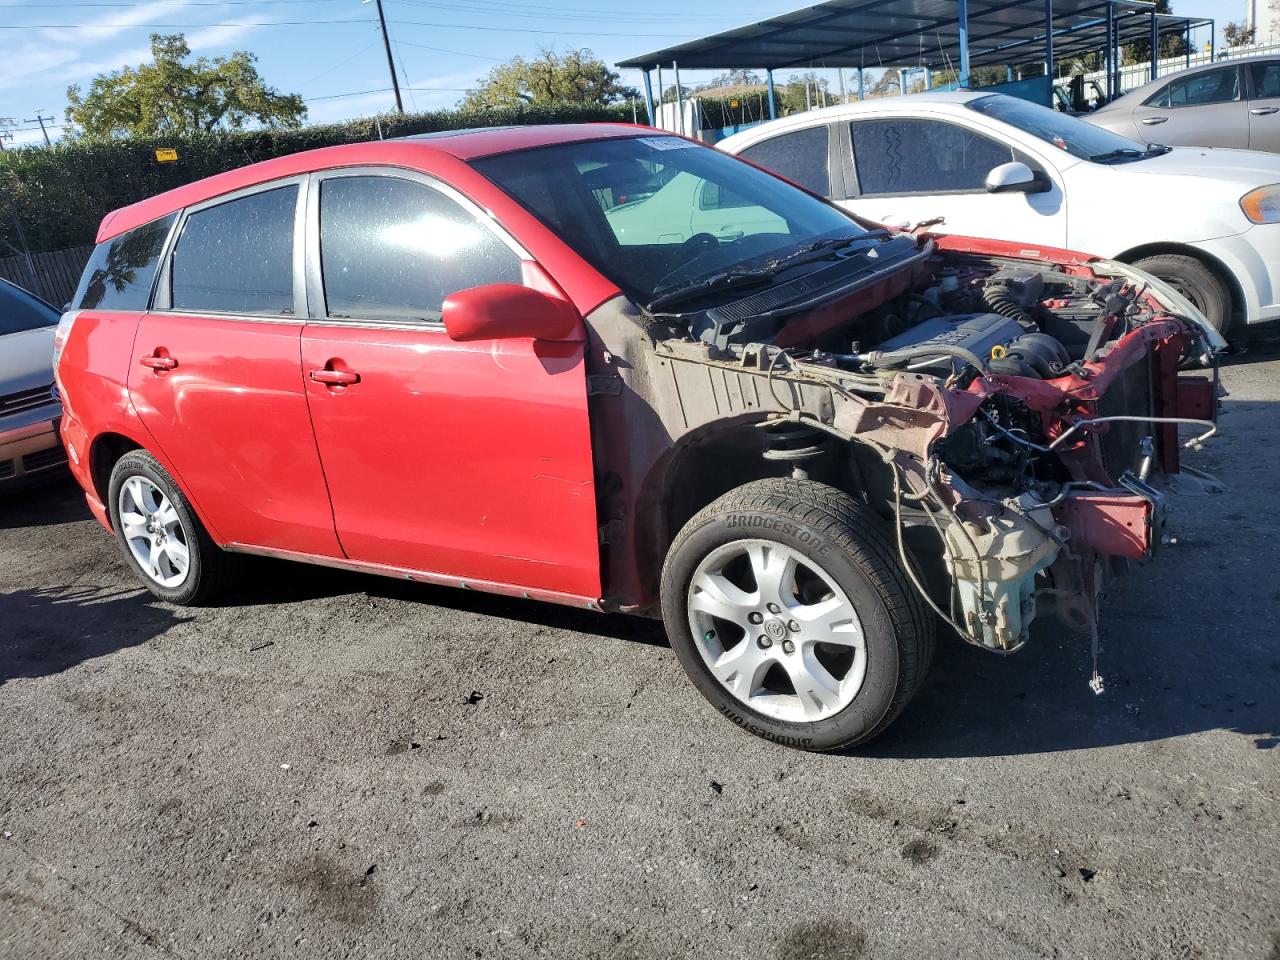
x=471, y=460
x=1116, y=525
x=232, y=418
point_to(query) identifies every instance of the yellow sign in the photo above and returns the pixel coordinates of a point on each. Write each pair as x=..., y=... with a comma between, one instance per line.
x=166, y=154
x=733, y=104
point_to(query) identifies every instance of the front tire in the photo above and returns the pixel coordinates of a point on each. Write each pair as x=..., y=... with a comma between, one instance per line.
x=788, y=608
x=162, y=538
x=1195, y=281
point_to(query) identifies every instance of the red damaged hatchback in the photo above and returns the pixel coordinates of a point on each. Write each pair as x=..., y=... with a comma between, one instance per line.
x=608, y=367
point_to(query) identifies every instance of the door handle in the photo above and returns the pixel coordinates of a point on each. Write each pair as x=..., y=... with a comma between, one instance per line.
x=1152, y=121
x=1264, y=111
x=334, y=378
x=158, y=361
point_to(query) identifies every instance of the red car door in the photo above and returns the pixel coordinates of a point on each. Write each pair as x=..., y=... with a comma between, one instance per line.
x=464, y=460
x=216, y=375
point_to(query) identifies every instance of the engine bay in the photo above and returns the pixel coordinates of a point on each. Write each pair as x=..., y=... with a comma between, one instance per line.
x=1023, y=408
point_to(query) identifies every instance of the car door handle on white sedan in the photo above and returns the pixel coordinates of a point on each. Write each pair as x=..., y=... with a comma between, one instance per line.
x=1264, y=111
x=1152, y=121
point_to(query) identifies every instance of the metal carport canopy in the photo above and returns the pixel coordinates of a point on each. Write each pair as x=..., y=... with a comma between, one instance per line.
x=909, y=33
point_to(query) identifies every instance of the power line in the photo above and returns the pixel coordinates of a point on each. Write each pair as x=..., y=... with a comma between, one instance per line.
x=319, y=23
x=361, y=93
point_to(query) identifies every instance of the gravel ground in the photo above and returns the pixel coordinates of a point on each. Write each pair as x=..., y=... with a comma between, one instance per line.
x=333, y=765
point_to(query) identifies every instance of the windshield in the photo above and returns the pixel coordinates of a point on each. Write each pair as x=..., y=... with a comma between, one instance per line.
x=1078, y=138
x=658, y=213
x=20, y=311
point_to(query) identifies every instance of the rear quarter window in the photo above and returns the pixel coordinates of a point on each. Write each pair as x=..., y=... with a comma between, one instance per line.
x=121, y=271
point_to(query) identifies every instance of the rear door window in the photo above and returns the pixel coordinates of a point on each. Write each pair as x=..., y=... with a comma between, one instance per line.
x=1200, y=89
x=121, y=271
x=800, y=156
x=900, y=156
x=237, y=257
x=394, y=250
x=1266, y=80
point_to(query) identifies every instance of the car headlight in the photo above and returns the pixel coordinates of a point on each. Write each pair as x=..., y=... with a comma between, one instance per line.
x=1262, y=205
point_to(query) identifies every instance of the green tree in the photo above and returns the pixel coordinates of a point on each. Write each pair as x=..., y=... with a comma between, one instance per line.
x=1171, y=44
x=177, y=95
x=1238, y=34
x=803, y=91
x=736, y=78
x=552, y=78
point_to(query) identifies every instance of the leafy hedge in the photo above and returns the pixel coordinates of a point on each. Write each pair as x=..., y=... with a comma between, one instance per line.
x=62, y=193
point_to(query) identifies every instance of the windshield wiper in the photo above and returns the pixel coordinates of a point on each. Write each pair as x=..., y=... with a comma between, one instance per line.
x=719, y=281
x=829, y=247
x=806, y=253
x=1152, y=150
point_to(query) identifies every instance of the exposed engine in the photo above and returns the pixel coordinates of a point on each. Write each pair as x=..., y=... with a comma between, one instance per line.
x=1025, y=486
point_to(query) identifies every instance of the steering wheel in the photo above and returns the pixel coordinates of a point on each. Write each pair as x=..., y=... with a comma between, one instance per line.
x=701, y=241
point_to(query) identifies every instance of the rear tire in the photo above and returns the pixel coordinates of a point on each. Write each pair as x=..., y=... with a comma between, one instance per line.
x=1193, y=279
x=864, y=639
x=160, y=535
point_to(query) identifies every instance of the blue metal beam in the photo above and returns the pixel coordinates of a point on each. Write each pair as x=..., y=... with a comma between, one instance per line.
x=1048, y=47
x=648, y=97
x=768, y=82
x=962, y=22
x=1111, y=53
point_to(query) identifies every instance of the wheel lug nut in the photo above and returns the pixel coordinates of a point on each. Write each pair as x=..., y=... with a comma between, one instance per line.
x=755, y=617
x=765, y=643
x=774, y=608
x=788, y=646
x=793, y=626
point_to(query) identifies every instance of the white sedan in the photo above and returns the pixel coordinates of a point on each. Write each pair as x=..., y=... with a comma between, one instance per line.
x=1207, y=221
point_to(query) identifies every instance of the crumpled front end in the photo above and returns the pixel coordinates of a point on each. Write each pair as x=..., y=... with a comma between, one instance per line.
x=1013, y=417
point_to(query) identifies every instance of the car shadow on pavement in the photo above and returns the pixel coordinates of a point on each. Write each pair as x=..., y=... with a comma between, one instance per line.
x=50, y=629
x=269, y=581
x=57, y=501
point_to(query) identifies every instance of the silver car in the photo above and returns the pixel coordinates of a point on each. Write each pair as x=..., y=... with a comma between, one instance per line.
x=1232, y=103
x=30, y=447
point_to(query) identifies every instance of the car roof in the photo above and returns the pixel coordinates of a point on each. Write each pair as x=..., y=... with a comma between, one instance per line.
x=948, y=98
x=436, y=151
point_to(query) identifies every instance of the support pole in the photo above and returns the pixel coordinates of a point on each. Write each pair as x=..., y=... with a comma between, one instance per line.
x=391, y=64
x=861, y=84
x=1213, y=41
x=1048, y=47
x=768, y=82
x=658, y=109
x=1111, y=53
x=1155, y=47
x=675, y=68
x=1186, y=42
x=648, y=96
x=844, y=96
x=964, y=45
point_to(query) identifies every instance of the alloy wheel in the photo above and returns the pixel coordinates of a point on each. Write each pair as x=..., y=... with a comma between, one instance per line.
x=775, y=629
x=154, y=532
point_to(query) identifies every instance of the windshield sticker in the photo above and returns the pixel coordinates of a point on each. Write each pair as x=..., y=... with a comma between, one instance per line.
x=667, y=143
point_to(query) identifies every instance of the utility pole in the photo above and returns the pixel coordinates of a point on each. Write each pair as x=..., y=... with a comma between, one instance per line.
x=40, y=120
x=391, y=64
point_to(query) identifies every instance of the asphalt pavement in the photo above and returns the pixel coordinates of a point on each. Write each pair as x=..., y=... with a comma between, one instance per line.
x=335, y=765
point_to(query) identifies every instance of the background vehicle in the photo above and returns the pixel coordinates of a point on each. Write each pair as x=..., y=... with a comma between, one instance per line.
x=453, y=360
x=1234, y=103
x=29, y=412
x=1207, y=222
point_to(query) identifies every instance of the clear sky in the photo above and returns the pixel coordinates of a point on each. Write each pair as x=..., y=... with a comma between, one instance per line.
x=330, y=51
